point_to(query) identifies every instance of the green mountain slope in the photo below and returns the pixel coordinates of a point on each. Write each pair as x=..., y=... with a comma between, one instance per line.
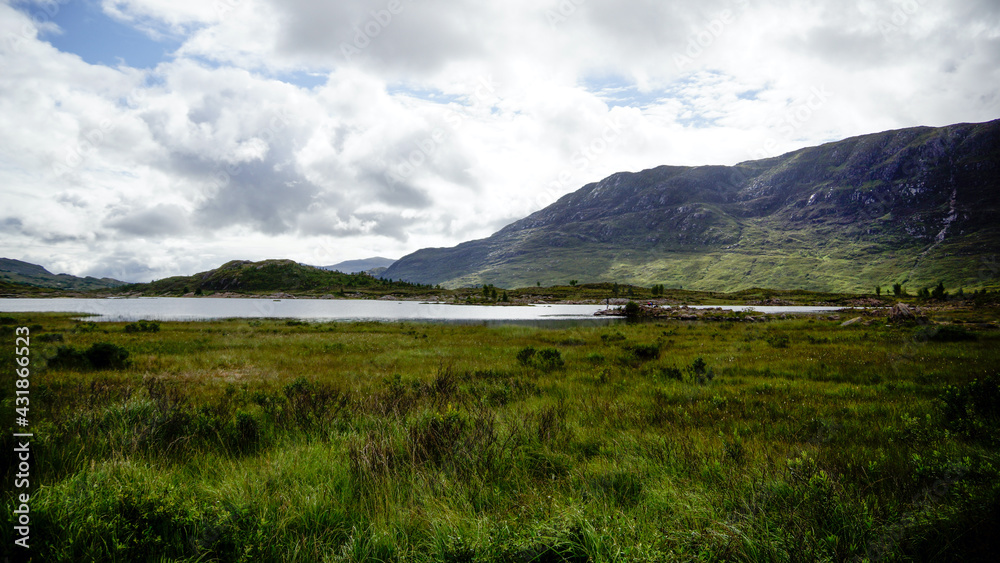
x=243, y=276
x=914, y=206
x=16, y=271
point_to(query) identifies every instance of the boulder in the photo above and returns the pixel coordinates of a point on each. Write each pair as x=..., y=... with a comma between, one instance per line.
x=901, y=312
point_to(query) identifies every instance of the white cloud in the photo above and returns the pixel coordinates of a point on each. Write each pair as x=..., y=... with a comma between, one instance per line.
x=436, y=121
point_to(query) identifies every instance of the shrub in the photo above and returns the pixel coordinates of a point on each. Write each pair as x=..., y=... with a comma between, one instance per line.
x=778, y=340
x=670, y=373
x=973, y=409
x=143, y=326
x=247, y=432
x=644, y=352
x=68, y=357
x=612, y=337
x=632, y=310
x=546, y=359
x=99, y=356
x=939, y=292
x=311, y=404
x=107, y=356
x=700, y=372
x=549, y=359
x=525, y=355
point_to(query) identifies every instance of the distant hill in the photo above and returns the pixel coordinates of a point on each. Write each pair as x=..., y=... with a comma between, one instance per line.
x=366, y=265
x=19, y=272
x=265, y=276
x=913, y=206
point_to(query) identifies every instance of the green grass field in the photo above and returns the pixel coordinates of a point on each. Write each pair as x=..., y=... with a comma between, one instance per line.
x=791, y=440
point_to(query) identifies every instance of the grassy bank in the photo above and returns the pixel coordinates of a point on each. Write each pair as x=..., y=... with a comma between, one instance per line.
x=792, y=440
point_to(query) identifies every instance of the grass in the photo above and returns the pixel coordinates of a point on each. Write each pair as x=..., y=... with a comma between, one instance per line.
x=262, y=440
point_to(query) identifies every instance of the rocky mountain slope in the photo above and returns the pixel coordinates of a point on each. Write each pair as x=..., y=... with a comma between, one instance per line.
x=372, y=266
x=913, y=206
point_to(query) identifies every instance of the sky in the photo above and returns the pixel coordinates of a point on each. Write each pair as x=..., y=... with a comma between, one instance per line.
x=148, y=138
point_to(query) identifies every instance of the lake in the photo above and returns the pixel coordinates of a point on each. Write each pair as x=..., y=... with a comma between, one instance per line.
x=207, y=308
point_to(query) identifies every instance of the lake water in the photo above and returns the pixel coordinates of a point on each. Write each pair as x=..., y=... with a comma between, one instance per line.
x=207, y=308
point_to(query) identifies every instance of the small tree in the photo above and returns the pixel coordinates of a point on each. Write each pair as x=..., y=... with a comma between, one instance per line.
x=939, y=293
x=632, y=310
x=897, y=289
x=878, y=290
x=573, y=283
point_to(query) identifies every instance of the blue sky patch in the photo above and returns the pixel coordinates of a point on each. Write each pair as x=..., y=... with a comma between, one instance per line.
x=302, y=79
x=88, y=32
x=426, y=94
x=616, y=91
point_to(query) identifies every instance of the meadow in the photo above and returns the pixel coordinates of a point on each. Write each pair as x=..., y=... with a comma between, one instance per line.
x=797, y=439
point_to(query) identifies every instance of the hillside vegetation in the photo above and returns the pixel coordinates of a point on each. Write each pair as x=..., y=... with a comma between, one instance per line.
x=268, y=276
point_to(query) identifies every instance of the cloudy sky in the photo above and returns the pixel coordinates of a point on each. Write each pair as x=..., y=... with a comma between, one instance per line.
x=147, y=138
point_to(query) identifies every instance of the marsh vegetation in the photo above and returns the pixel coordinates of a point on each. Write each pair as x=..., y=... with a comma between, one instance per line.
x=790, y=440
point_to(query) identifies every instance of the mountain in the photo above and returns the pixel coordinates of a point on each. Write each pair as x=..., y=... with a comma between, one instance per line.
x=265, y=276
x=20, y=272
x=366, y=265
x=913, y=206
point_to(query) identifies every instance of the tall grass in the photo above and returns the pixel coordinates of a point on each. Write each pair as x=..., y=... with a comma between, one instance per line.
x=795, y=440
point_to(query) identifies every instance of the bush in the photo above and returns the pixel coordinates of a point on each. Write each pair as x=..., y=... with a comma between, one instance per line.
x=247, y=432
x=973, y=409
x=107, y=356
x=632, y=310
x=778, y=340
x=68, y=357
x=549, y=359
x=546, y=359
x=665, y=373
x=143, y=326
x=700, y=372
x=525, y=355
x=644, y=352
x=612, y=337
x=99, y=356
